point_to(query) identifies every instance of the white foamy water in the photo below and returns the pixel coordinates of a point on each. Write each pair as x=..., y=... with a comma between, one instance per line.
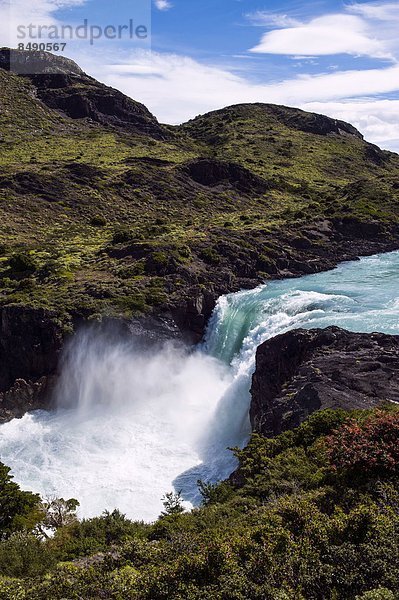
x=131, y=425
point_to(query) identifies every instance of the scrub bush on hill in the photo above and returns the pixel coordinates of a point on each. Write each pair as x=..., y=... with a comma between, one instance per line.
x=18, y=510
x=378, y=594
x=24, y=555
x=370, y=447
x=22, y=262
x=11, y=589
x=86, y=537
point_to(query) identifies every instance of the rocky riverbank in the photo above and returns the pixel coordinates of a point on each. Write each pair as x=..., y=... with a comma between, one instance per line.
x=302, y=371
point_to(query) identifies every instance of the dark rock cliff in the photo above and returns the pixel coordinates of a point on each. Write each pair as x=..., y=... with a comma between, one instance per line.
x=302, y=371
x=310, y=122
x=30, y=344
x=82, y=97
x=62, y=85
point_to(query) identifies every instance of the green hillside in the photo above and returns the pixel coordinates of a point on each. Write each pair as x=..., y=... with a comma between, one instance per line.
x=106, y=212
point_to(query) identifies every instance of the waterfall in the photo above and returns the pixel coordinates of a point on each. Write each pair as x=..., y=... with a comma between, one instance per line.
x=132, y=424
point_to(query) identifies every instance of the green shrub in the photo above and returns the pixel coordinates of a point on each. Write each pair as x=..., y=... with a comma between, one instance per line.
x=134, y=270
x=210, y=256
x=156, y=297
x=172, y=503
x=22, y=262
x=24, y=555
x=215, y=493
x=159, y=258
x=97, y=534
x=122, y=235
x=110, y=528
x=71, y=582
x=98, y=221
x=11, y=589
x=133, y=303
x=377, y=594
x=18, y=509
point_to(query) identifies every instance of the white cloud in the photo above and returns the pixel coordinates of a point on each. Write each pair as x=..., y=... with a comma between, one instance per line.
x=24, y=12
x=177, y=88
x=163, y=4
x=326, y=35
x=267, y=18
x=341, y=84
x=380, y=11
x=377, y=119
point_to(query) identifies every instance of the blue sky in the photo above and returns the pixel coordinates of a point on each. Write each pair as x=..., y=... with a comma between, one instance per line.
x=224, y=31
x=339, y=58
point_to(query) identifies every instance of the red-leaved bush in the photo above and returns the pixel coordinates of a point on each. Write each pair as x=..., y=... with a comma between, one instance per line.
x=368, y=447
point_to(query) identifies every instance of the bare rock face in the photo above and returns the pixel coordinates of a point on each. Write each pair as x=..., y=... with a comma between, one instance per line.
x=24, y=397
x=37, y=62
x=81, y=97
x=30, y=344
x=302, y=371
x=313, y=122
x=211, y=172
x=62, y=85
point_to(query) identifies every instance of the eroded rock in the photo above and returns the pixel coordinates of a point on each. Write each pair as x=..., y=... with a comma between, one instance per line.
x=302, y=371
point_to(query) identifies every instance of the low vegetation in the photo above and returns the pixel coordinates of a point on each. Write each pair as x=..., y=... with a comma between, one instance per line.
x=309, y=515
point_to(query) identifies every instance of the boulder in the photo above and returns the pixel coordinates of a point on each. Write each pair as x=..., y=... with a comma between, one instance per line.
x=302, y=371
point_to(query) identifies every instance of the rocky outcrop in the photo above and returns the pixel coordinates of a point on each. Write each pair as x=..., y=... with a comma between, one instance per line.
x=24, y=397
x=192, y=316
x=63, y=86
x=312, y=122
x=302, y=371
x=211, y=172
x=84, y=98
x=37, y=62
x=30, y=344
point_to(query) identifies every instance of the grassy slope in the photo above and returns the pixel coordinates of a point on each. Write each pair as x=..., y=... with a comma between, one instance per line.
x=313, y=171
x=67, y=186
